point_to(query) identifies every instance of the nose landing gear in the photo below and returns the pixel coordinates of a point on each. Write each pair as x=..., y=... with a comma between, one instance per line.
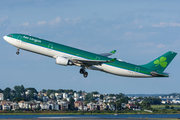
x=17, y=51
x=83, y=71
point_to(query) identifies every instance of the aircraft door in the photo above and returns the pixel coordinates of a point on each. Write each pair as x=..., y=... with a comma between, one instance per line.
x=137, y=69
x=19, y=38
x=50, y=46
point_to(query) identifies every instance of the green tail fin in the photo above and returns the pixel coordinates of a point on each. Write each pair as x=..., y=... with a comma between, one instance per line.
x=160, y=63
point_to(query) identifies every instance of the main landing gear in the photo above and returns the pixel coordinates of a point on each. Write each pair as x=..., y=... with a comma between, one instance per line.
x=83, y=71
x=17, y=51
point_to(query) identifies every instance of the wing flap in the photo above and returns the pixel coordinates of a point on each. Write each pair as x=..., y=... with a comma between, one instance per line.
x=91, y=62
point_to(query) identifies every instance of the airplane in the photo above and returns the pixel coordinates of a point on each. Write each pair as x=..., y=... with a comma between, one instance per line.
x=68, y=56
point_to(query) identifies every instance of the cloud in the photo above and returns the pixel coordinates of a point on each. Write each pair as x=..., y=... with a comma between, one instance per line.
x=161, y=24
x=41, y=22
x=55, y=21
x=174, y=24
x=4, y=18
x=25, y=23
x=164, y=24
x=140, y=26
x=160, y=45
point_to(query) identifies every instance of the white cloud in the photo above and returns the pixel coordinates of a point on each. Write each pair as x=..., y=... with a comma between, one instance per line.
x=41, y=22
x=25, y=24
x=164, y=24
x=140, y=26
x=4, y=18
x=174, y=24
x=161, y=24
x=55, y=21
x=160, y=45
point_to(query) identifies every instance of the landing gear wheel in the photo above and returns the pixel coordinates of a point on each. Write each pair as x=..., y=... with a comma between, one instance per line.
x=81, y=71
x=17, y=53
x=85, y=74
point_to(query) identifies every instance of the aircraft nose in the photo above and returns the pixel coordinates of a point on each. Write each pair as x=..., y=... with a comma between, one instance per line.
x=5, y=37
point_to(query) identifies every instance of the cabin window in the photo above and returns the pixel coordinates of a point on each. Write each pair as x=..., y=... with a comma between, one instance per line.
x=10, y=35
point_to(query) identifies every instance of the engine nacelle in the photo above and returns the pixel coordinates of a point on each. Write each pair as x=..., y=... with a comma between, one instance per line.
x=63, y=61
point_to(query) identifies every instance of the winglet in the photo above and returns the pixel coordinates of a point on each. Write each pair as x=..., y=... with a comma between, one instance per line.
x=113, y=52
x=113, y=59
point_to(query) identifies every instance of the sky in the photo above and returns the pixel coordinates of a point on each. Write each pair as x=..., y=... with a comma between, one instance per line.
x=139, y=30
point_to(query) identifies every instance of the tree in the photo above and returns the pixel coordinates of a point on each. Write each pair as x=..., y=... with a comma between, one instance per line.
x=71, y=103
x=89, y=97
x=1, y=91
x=120, y=95
x=6, y=93
x=101, y=96
x=95, y=92
x=152, y=100
x=167, y=106
x=43, y=91
x=124, y=100
x=172, y=107
x=80, y=92
x=33, y=90
x=111, y=95
x=145, y=105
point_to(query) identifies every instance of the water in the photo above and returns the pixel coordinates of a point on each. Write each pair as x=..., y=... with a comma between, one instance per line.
x=95, y=116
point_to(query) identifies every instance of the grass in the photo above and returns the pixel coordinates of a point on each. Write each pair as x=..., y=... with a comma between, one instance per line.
x=163, y=106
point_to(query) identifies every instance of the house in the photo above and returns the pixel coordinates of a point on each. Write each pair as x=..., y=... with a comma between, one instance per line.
x=90, y=106
x=76, y=95
x=78, y=103
x=21, y=104
x=15, y=106
x=84, y=108
x=65, y=95
x=131, y=101
x=53, y=105
x=63, y=105
x=44, y=106
x=58, y=95
x=163, y=102
x=168, y=101
x=52, y=96
x=123, y=105
x=1, y=96
x=6, y=105
x=132, y=106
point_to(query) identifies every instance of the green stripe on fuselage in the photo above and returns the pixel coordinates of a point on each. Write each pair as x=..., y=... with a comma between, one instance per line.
x=80, y=53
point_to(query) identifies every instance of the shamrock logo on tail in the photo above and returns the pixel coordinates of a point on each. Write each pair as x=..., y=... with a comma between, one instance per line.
x=161, y=61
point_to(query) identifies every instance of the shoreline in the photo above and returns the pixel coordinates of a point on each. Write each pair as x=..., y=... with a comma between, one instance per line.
x=81, y=113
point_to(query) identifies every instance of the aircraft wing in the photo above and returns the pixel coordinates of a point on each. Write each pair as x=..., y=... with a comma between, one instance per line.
x=108, y=54
x=91, y=62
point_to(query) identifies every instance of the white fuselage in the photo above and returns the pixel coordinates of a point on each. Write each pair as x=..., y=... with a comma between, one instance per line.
x=53, y=53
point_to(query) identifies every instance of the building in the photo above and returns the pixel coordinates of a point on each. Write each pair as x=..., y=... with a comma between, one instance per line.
x=6, y=105
x=77, y=104
x=63, y=105
x=65, y=95
x=1, y=96
x=44, y=106
x=132, y=106
x=15, y=106
x=23, y=105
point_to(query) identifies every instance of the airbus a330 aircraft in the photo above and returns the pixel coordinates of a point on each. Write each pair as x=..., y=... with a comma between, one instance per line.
x=66, y=55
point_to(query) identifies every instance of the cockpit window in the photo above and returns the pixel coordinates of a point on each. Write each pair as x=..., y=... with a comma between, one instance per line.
x=10, y=35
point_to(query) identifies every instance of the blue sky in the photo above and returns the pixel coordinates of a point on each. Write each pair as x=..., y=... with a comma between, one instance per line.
x=139, y=30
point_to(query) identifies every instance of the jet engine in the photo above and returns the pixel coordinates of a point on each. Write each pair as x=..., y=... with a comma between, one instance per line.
x=63, y=61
